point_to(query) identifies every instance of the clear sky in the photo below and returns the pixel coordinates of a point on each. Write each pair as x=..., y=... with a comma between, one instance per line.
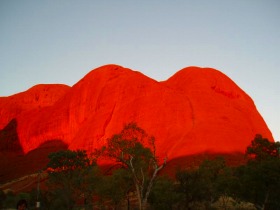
x=59, y=41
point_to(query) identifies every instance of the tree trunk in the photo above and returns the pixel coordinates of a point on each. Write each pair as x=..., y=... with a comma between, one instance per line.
x=149, y=188
x=139, y=197
x=128, y=202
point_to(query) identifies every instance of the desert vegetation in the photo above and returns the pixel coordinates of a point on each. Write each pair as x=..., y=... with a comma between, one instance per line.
x=75, y=180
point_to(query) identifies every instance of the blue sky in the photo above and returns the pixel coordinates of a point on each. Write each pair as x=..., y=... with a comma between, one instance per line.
x=60, y=41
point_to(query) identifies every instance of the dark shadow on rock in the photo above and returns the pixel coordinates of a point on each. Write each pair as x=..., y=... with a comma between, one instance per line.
x=193, y=161
x=9, y=141
x=17, y=166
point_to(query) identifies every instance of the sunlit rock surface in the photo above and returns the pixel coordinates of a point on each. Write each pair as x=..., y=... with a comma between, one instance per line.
x=196, y=110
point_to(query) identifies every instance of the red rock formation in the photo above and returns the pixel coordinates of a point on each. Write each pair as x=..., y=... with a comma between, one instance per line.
x=197, y=110
x=27, y=104
x=36, y=97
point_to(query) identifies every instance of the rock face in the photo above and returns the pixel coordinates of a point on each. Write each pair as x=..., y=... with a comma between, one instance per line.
x=28, y=104
x=197, y=110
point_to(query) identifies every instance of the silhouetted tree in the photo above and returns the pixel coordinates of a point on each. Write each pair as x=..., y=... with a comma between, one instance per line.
x=115, y=188
x=135, y=151
x=71, y=177
x=201, y=185
x=262, y=149
x=259, y=179
x=164, y=195
x=210, y=173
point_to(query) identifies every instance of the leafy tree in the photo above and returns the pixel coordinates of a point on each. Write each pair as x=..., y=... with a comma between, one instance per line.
x=190, y=187
x=259, y=179
x=257, y=184
x=262, y=149
x=135, y=151
x=164, y=195
x=115, y=187
x=227, y=184
x=201, y=185
x=210, y=172
x=66, y=161
x=70, y=178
